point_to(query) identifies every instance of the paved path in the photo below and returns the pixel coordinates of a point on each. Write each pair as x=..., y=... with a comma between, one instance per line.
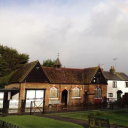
x=77, y=121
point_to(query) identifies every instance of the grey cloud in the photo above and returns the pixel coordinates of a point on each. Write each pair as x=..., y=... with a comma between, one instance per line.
x=84, y=36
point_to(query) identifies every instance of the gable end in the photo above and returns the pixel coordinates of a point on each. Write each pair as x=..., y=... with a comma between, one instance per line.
x=36, y=75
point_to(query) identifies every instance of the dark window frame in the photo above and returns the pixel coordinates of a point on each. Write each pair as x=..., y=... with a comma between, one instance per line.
x=126, y=83
x=114, y=84
x=110, y=94
x=98, y=93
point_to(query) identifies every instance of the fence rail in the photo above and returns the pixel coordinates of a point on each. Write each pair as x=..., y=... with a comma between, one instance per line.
x=4, y=124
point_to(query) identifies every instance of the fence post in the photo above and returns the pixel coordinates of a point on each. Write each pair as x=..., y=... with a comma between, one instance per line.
x=3, y=124
x=5, y=107
x=23, y=106
x=31, y=108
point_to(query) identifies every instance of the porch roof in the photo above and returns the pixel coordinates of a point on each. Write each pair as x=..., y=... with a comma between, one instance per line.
x=10, y=90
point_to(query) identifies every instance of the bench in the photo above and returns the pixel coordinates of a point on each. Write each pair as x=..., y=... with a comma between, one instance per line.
x=100, y=123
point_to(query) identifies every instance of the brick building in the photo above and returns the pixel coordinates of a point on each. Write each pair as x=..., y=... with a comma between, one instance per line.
x=57, y=85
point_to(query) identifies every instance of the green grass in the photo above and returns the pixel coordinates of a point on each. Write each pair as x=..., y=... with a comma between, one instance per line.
x=120, y=117
x=27, y=121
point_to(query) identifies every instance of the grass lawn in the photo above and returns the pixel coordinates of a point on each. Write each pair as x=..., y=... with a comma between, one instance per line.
x=27, y=121
x=120, y=117
x=115, y=116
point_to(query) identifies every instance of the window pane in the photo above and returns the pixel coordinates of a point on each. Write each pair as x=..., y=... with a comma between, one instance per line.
x=53, y=92
x=110, y=94
x=114, y=84
x=97, y=93
x=126, y=84
x=39, y=93
x=30, y=94
x=76, y=92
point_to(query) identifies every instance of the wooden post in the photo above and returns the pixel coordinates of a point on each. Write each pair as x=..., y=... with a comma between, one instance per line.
x=31, y=108
x=23, y=103
x=5, y=103
x=44, y=102
x=21, y=97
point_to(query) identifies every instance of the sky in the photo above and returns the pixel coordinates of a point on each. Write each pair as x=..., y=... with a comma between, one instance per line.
x=85, y=33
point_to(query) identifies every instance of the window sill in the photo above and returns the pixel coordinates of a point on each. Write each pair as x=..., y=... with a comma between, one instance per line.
x=76, y=97
x=53, y=98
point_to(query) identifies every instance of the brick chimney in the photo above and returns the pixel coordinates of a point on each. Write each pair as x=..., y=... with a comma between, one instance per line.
x=112, y=69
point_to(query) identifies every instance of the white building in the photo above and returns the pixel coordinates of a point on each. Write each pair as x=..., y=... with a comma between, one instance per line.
x=117, y=84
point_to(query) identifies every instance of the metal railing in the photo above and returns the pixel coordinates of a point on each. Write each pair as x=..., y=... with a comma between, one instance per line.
x=4, y=124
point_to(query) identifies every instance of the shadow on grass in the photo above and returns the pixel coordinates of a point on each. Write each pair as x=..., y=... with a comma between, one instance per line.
x=85, y=126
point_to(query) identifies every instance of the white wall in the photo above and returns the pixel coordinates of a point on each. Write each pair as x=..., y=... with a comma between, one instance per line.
x=121, y=85
x=14, y=101
x=1, y=95
x=1, y=99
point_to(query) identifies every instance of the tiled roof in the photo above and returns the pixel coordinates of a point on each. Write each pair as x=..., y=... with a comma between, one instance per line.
x=117, y=76
x=70, y=75
x=57, y=75
x=20, y=74
x=123, y=76
x=89, y=73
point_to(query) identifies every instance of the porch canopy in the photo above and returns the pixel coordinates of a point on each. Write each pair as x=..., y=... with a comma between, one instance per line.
x=9, y=90
x=13, y=91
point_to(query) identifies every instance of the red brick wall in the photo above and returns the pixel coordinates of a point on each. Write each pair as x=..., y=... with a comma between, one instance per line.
x=71, y=101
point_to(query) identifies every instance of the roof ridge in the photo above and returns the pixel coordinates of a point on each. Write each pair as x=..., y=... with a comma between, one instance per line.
x=72, y=68
x=64, y=68
x=92, y=67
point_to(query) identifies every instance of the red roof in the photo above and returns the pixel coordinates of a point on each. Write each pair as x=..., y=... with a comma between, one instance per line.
x=70, y=75
x=57, y=75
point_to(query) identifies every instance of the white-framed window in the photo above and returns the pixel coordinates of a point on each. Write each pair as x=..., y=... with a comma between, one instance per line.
x=53, y=92
x=34, y=94
x=110, y=94
x=98, y=93
x=126, y=84
x=76, y=92
x=114, y=84
x=35, y=97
